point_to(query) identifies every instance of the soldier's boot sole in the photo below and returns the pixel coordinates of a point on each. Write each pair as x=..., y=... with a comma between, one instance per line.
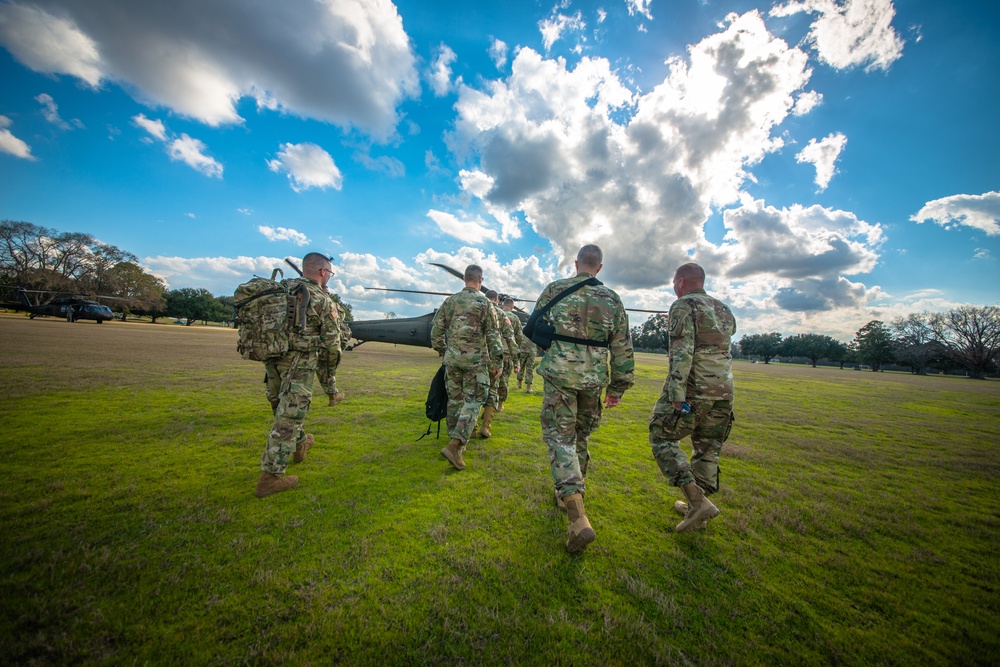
x=580, y=535
x=681, y=508
x=300, y=449
x=698, y=517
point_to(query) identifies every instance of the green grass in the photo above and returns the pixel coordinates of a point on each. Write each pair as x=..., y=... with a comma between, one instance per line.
x=860, y=519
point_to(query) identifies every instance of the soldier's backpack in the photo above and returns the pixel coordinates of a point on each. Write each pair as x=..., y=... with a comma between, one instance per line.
x=265, y=311
x=436, y=406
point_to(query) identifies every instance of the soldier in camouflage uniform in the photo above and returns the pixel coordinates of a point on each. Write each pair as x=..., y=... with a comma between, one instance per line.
x=697, y=398
x=290, y=378
x=329, y=361
x=510, y=361
x=575, y=374
x=526, y=363
x=497, y=394
x=466, y=333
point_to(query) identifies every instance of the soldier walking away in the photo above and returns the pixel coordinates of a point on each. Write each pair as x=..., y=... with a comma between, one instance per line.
x=329, y=359
x=466, y=333
x=590, y=350
x=289, y=378
x=526, y=363
x=697, y=398
x=497, y=393
x=510, y=361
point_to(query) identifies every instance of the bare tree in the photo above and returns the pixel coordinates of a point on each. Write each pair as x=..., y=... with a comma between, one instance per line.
x=914, y=341
x=971, y=336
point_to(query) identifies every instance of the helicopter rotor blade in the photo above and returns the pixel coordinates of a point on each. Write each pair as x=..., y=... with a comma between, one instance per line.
x=455, y=272
x=409, y=291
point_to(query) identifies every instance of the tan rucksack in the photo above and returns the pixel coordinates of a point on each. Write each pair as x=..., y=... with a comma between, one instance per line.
x=265, y=313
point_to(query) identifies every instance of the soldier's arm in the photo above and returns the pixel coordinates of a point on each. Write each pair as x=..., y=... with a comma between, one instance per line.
x=438, y=328
x=622, y=356
x=681, y=350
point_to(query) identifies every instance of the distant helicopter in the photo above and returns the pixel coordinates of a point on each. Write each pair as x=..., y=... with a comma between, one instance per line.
x=70, y=307
x=417, y=330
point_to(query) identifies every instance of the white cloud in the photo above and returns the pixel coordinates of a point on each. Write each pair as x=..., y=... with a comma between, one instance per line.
x=11, y=144
x=980, y=212
x=806, y=102
x=283, y=234
x=982, y=253
x=190, y=151
x=552, y=29
x=850, y=33
x=468, y=231
x=155, y=127
x=191, y=215
x=440, y=74
x=307, y=166
x=823, y=155
x=640, y=7
x=557, y=145
x=498, y=52
x=50, y=110
x=347, y=62
x=219, y=275
x=245, y=211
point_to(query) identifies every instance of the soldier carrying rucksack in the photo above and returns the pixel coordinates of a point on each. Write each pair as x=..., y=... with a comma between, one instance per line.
x=289, y=341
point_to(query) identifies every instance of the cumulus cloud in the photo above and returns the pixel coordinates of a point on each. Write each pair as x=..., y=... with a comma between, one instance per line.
x=640, y=7
x=346, y=62
x=283, y=234
x=823, y=155
x=806, y=102
x=307, y=166
x=469, y=231
x=191, y=152
x=440, y=74
x=11, y=144
x=980, y=212
x=219, y=275
x=850, y=33
x=585, y=160
x=498, y=52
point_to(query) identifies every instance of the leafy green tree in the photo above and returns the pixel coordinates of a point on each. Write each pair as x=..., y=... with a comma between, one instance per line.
x=141, y=292
x=764, y=346
x=874, y=344
x=914, y=341
x=191, y=304
x=652, y=334
x=811, y=346
x=971, y=336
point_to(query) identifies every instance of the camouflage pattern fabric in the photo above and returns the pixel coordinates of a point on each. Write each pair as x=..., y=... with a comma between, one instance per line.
x=701, y=362
x=526, y=360
x=329, y=359
x=701, y=373
x=289, y=379
x=467, y=390
x=467, y=332
x=568, y=418
x=708, y=424
x=593, y=313
x=575, y=374
x=513, y=336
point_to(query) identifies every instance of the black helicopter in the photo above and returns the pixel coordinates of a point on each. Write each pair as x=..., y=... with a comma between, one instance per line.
x=72, y=308
x=417, y=330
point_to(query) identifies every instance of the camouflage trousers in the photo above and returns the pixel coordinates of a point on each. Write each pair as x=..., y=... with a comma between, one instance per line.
x=569, y=416
x=526, y=361
x=289, y=383
x=708, y=424
x=503, y=382
x=493, y=394
x=467, y=391
x=326, y=371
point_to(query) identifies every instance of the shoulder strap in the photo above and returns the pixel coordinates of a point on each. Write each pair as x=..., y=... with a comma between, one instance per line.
x=569, y=290
x=593, y=282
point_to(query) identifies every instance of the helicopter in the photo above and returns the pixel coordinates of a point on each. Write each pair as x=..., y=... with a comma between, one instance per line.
x=417, y=330
x=72, y=307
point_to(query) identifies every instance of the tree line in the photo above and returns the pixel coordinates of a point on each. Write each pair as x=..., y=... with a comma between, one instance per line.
x=967, y=337
x=50, y=262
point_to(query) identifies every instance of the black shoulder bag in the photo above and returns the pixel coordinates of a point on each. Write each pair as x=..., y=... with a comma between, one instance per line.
x=542, y=333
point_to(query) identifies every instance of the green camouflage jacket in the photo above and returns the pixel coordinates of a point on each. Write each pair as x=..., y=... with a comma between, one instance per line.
x=466, y=329
x=507, y=333
x=701, y=362
x=322, y=330
x=594, y=313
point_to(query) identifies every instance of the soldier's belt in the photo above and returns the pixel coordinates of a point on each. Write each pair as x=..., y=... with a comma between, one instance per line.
x=581, y=341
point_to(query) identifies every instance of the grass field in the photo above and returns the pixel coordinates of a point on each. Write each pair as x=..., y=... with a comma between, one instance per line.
x=860, y=525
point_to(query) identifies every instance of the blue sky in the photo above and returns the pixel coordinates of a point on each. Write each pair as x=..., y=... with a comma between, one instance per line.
x=828, y=162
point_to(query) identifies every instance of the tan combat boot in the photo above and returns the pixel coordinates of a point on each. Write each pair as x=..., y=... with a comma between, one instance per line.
x=700, y=508
x=453, y=452
x=519, y=384
x=527, y=389
x=580, y=533
x=336, y=398
x=300, y=449
x=500, y=406
x=269, y=484
x=484, y=430
x=681, y=508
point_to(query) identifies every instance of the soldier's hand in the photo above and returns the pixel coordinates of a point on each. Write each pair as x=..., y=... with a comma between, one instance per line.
x=611, y=401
